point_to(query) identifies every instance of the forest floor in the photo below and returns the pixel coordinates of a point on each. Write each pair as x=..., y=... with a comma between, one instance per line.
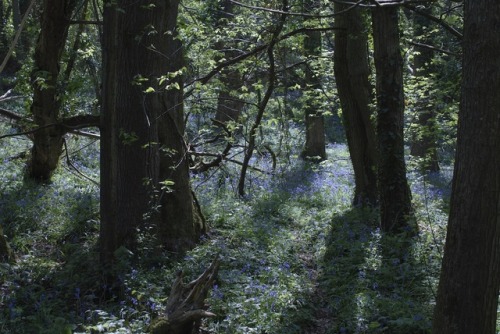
x=295, y=257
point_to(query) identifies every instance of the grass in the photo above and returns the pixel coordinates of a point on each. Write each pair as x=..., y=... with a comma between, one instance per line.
x=295, y=257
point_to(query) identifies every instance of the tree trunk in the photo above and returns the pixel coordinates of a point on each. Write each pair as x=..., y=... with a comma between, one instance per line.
x=424, y=139
x=181, y=223
x=314, y=120
x=352, y=71
x=129, y=155
x=395, y=196
x=48, y=141
x=467, y=297
x=143, y=155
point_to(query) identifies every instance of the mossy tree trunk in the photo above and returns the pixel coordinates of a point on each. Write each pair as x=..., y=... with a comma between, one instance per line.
x=467, y=298
x=352, y=71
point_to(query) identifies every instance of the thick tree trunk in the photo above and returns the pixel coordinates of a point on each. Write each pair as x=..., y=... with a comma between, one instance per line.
x=129, y=158
x=143, y=155
x=424, y=139
x=48, y=141
x=352, y=71
x=395, y=196
x=314, y=119
x=467, y=297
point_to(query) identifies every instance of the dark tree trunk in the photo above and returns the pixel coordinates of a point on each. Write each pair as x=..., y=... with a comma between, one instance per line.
x=314, y=119
x=352, y=71
x=129, y=155
x=142, y=144
x=395, y=196
x=181, y=223
x=48, y=141
x=467, y=297
x=424, y=139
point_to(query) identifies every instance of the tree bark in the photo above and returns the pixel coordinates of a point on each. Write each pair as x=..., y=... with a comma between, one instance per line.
x=352, y=71
x=48, y=141
x=467, y=298
x=314, y=119
x=395, y=196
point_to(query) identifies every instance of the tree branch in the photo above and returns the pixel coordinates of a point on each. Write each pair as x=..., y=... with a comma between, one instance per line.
x=439, y=21
x=434, y=48
x=67, y=125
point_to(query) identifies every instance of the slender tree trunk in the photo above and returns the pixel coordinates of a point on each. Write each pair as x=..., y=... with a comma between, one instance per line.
x=395, y=196
x=424, y=139
x=47, y=142
x=314, y=119
x=352, y=71
x=467, y=297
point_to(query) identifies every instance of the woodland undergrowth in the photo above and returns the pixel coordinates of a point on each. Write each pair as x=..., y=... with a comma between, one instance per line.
x=295, y=256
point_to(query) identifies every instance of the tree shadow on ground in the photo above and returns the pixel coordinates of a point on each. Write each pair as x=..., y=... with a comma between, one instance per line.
x=371, y=283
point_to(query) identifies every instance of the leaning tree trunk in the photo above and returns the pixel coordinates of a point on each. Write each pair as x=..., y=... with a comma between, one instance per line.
x=352, y=71
x=467, y=298
x=48, y=140
x=395, y=196
x=314, y=119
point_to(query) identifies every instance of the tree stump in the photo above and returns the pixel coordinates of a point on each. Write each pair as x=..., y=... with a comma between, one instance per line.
x=186, y=304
